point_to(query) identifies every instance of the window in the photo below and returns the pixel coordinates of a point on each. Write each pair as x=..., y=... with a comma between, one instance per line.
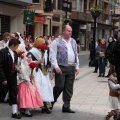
x=36, y=1
x=74, y=4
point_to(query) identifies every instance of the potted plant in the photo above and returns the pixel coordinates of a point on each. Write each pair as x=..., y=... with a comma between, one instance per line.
x=96, y=11
x=67, y=21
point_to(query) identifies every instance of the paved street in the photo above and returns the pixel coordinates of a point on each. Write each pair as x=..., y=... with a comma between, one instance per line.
x=90, y=99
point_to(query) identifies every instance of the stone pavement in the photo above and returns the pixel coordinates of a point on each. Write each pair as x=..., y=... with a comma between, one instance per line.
x=90, y=100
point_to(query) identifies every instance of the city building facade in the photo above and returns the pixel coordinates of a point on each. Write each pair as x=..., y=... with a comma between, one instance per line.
x=83, y=21
x=47, y=21
x=48, y=18
x=11, y=15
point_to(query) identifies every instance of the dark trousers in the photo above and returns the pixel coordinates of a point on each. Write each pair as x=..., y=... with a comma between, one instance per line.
x=64, y=83
x=96, y=65
x=12, y=88
x=102, y=65
x=3, y=91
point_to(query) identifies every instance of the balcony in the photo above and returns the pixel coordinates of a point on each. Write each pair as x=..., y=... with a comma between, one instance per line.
x=81, y=16
x=38, y=6
x=17, y=3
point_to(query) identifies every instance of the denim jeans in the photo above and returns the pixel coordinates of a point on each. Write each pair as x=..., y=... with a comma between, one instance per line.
x=102, y=65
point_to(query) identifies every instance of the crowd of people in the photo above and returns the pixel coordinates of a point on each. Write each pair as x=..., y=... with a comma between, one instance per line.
x=27, y=66
x=109, y=55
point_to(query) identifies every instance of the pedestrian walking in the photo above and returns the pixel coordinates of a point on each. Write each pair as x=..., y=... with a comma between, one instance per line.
x=8, y=73
x=64, y=58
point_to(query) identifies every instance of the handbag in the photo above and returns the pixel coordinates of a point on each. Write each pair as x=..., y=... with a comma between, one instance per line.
x=92, y=63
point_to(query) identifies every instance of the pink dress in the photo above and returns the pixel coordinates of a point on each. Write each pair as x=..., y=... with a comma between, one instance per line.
x=28, y=96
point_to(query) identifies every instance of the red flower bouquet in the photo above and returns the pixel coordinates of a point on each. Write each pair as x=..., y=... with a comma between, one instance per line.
x=21, y=56
x=33, y=65
x=43, y=47
x=20, y=53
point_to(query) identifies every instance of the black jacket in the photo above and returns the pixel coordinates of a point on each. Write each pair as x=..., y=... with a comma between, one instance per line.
x=109, y=49
x=6, y=63
x=116, y=52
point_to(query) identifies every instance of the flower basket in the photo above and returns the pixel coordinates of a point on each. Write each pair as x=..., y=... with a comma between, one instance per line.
x=95, y=13
x=67, y=21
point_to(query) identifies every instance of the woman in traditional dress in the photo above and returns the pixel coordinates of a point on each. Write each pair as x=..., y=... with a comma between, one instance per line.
x=42, y=76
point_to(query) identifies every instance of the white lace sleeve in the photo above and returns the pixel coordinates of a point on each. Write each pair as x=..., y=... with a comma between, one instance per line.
x=113, y=85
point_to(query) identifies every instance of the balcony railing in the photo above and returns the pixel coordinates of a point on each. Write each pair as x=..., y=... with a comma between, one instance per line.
x=37, y=7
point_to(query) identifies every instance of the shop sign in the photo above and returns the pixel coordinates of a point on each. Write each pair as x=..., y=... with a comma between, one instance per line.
x=39, y=19
x=28, y=17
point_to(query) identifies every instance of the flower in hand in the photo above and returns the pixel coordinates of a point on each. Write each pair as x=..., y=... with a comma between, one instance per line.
x=33, y=65
x=43, y=47
x=20, y=54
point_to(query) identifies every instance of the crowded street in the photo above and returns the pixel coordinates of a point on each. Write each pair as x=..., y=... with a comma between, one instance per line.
x=60, y=59
x=90, y=99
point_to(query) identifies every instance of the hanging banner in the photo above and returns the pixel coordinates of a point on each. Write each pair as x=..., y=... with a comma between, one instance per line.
x=40, y=19
x=28, y=18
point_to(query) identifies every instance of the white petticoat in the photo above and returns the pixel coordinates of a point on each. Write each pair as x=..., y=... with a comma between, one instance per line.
x=44, y=86
x=114, y=102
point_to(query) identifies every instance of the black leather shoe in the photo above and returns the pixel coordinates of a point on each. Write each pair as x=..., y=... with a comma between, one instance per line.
x=95, y=72
x=27, y=114
x=17, y=116
x=103, y=75
x=46, y=110
x=99, y=76
x=107, y=76
x=67, y=110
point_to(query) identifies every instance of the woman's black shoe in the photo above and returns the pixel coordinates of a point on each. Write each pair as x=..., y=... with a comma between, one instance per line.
x=99, y=76
x=46, y=110
x=95, y=72
x=103, y=75
x=107, y=76
x=43, y=110
x=27, y=114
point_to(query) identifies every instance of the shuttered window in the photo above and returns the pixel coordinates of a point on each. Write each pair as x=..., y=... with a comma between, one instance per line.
x=5, y=25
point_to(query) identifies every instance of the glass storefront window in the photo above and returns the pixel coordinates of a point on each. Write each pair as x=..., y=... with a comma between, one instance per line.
x=36, y=1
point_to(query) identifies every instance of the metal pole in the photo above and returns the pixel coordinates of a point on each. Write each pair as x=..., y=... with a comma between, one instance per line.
x=66, y=13
x=50, y=27
x=94, y=39
x=113, y=18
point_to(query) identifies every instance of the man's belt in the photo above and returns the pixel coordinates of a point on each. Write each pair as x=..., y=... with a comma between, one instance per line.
x=71, y=64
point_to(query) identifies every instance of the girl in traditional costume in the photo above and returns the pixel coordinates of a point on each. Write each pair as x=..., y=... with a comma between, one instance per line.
x=114, y=98
x=28, y=95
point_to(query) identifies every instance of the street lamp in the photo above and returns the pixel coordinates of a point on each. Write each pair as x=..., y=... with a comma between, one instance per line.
x=49, y=18
x=95, y=12
x=113, y=14
x=66, y=7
